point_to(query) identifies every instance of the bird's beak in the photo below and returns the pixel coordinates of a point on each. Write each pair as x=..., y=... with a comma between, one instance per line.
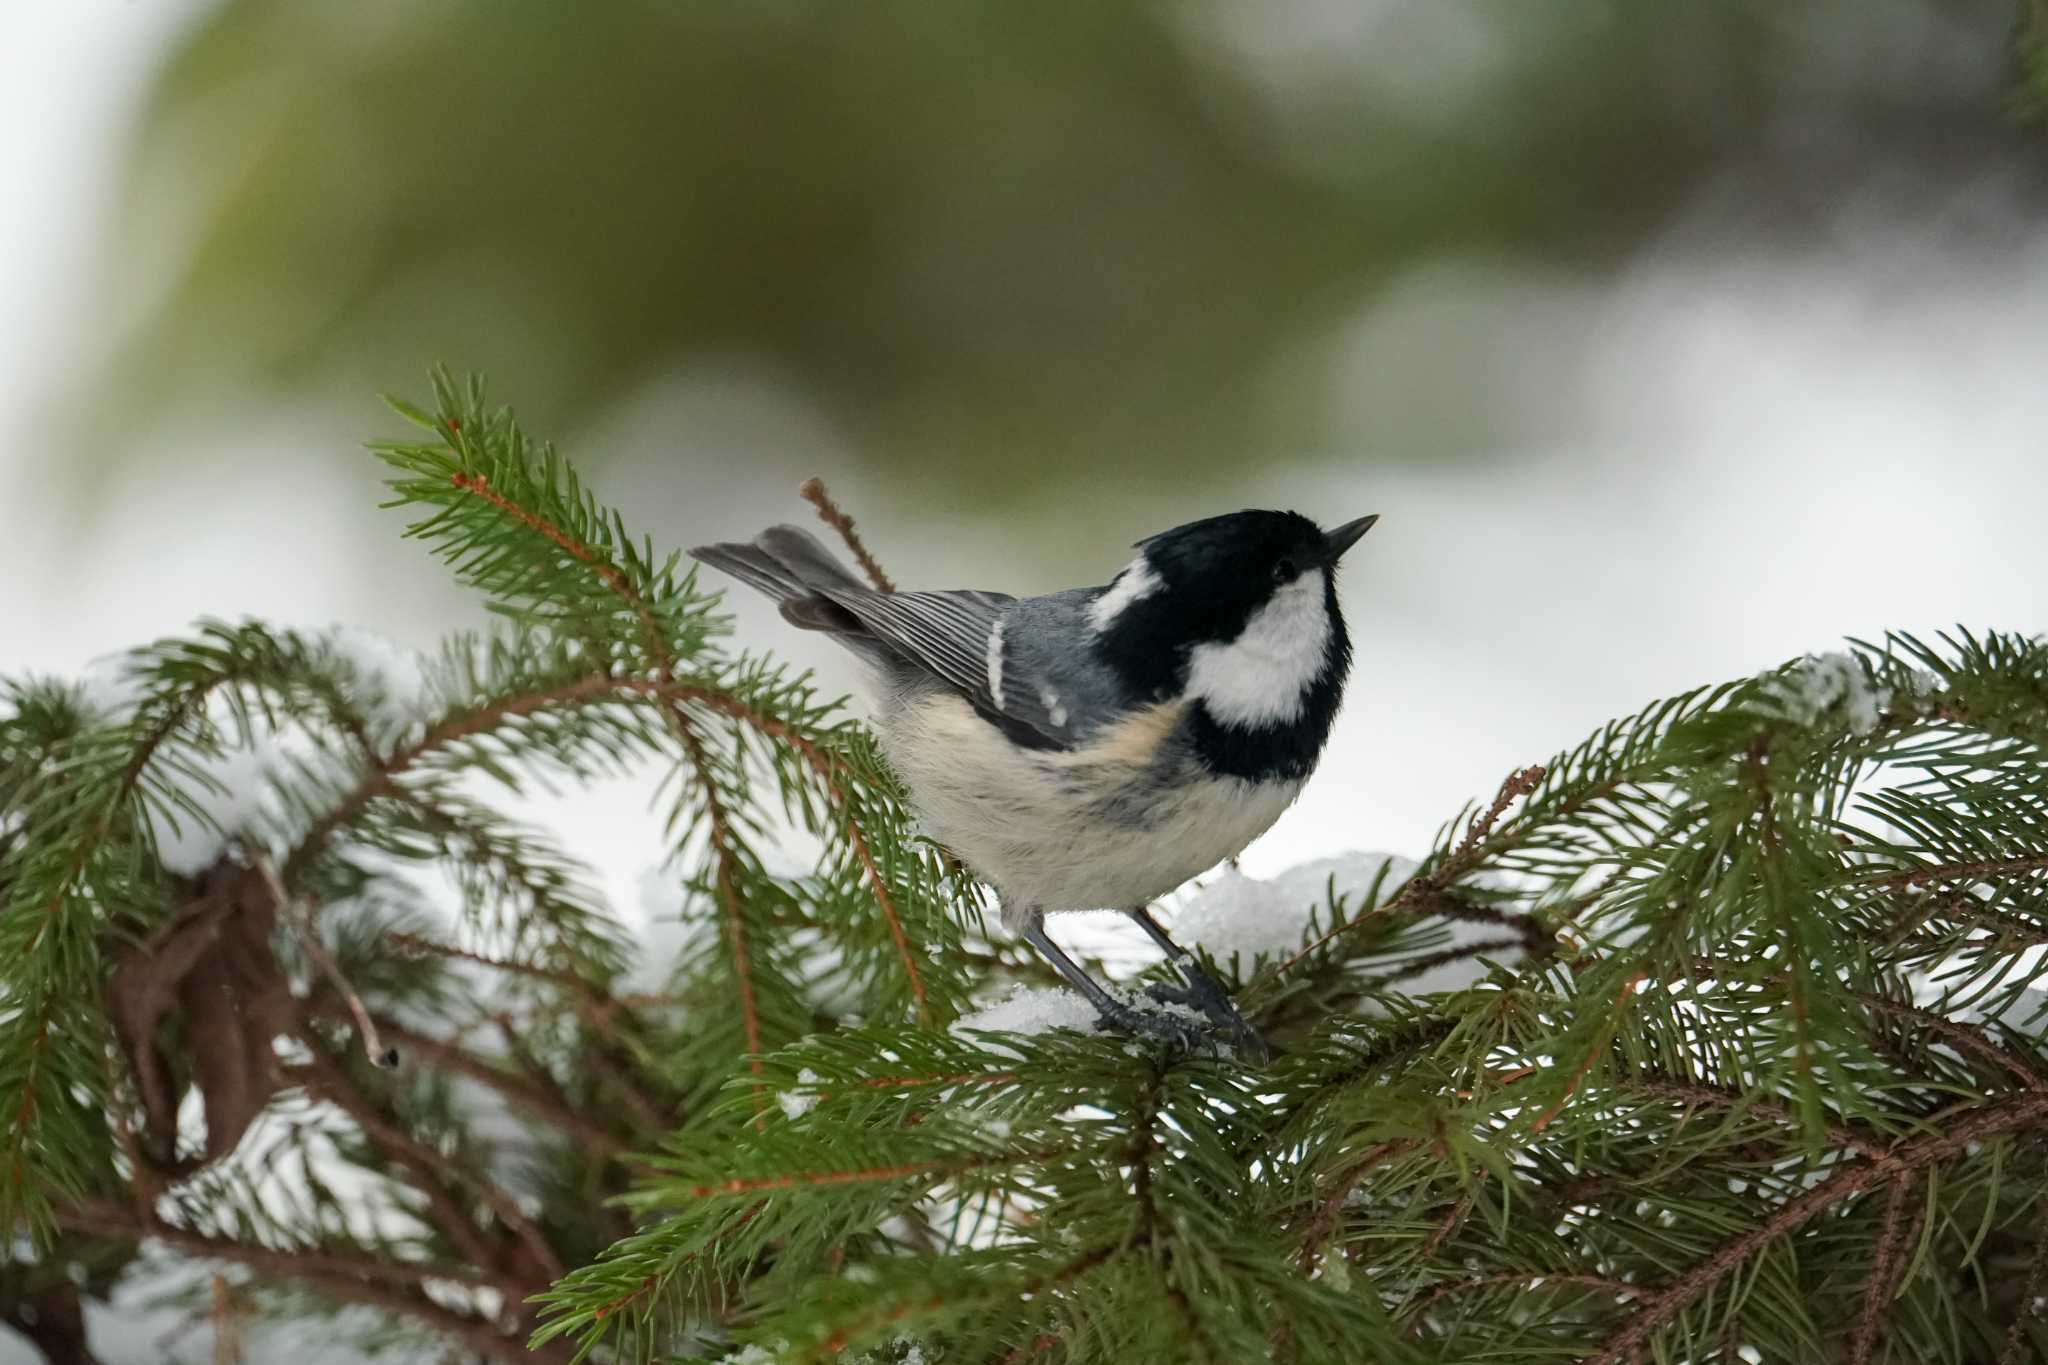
x=1342, y=538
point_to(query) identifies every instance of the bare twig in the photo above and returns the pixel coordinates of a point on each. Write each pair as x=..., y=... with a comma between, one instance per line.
x=1517, y=785
x=829, y=512
x=309, y=940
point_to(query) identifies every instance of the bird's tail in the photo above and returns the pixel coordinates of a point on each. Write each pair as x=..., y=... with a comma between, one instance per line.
x=796, y=572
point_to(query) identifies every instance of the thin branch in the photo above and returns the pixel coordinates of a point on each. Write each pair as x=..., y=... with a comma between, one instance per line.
x=1593, y=1055
x=1325, y=1221
x=797, y=1180
x=1601, y=1282
x=720, y=826
x=287, y=910
x=813, y=492
x=1970, y=871
x=322, y=1077
x=2030, y=1300
x=104, y=1218
x=1447, y=1225
x=1963, y=1037
x=601, y=687
x=1883, y=1280
x=1698, y=1092
x=2000, y=1116
x=1518, y=784
x=542, y=1101
x=480, y=1335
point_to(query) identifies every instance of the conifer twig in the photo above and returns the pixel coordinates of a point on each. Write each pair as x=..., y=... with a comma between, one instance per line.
x=2030, y=1297
x=2022, y=1110
x=1518, y=784
x=1882, y=1281
x=616, y=579
x=813, y=492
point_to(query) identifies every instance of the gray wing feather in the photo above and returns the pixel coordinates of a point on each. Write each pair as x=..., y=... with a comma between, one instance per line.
x=1055, y=693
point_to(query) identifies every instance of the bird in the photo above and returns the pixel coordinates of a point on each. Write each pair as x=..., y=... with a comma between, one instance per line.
x=1099, y=747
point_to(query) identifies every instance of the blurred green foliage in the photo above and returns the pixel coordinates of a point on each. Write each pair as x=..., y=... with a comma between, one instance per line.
x=982, y=239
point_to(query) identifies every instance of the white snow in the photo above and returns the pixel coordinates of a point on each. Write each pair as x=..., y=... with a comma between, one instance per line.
x=242, y=804
x=1032, y=1009
x=797, y=1103
x=387, y=681
x=109, y=687
x=1819, y=683
x=1252, y=917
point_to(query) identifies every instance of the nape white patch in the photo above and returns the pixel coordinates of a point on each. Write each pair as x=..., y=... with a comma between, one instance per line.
x=1136, y=581
x=1263, y=676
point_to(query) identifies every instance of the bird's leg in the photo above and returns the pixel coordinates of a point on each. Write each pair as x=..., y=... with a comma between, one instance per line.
x=1204, y=991
x=1114, y=1011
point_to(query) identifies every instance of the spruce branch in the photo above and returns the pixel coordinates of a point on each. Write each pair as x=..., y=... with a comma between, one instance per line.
x=1883, y=1278
x=1916, y=1154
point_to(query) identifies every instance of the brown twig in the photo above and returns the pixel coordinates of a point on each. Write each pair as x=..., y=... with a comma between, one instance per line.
x=813, y=492
x=543, y=1101
x=594, y=689
x=1883, y=1280
x=309, y=941
x=1325, y=1222
x=1983, y=867
x=1593, y=1055
x=321, y=1076
x=2030, y=1300
x=2004, y=1115
x=1447, y=1225
x=797, y=1180
x=1517, y=785
x=1698, y=1093
x=1579, y=1281
x=105, y=1218
x=717, y=822
x=1963, y=1037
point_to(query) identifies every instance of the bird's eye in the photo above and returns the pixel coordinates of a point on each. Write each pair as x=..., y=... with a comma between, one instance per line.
x=1284, y=570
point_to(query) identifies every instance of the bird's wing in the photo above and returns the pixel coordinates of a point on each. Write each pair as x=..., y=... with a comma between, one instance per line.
x=958, y=638
x=965, y=639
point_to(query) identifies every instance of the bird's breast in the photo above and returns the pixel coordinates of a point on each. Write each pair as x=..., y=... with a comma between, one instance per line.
x=1119, y=821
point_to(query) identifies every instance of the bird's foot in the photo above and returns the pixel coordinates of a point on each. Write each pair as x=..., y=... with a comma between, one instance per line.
x=1172, y=1025
x=1204, y=994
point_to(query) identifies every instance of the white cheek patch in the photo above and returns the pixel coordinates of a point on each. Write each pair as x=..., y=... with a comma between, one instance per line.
x=1136, y=581
x=1263, y=676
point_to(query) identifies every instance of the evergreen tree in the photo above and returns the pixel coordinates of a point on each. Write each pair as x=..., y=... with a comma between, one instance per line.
x=1748, y=1065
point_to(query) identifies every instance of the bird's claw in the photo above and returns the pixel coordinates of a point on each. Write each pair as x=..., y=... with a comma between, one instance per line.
x=1202, y=993
x=1167, y=1026
x=1176, y=1027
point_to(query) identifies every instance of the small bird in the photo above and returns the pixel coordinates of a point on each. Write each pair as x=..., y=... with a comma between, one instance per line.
x=1096, y=748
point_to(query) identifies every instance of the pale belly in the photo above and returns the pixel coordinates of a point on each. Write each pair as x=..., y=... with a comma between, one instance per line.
x=1118, y=826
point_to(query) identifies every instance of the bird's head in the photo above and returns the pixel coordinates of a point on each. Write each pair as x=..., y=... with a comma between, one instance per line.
x=1238, y=612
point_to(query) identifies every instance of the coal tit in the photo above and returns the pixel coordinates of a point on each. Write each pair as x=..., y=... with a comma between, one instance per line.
x=1096, y=748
